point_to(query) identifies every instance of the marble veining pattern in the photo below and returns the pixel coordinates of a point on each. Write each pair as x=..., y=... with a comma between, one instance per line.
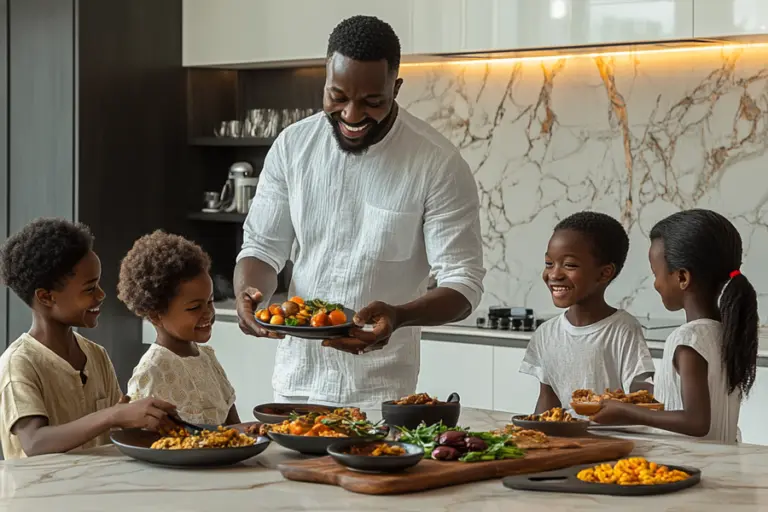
x=638, y=136
x=102, y=479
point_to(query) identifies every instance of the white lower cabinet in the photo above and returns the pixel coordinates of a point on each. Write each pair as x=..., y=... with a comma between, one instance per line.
x=249, y=363
x=512, y=391
x=754, y=415
x=461, y=367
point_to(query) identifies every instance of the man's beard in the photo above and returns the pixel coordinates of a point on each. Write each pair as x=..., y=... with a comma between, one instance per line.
x=373, y=135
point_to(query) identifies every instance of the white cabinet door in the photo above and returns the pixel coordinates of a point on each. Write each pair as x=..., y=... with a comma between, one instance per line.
x=461, y=367
x=438, y=26
x=512, y=391
x=754, y=415
x=248, y=362
x=252, y=31
x=526, y=24
x=721, y=18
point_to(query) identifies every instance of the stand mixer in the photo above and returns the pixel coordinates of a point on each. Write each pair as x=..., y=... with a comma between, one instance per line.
x=239, y=189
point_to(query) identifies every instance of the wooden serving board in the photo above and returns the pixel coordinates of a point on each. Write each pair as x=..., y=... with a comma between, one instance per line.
x=431, y=474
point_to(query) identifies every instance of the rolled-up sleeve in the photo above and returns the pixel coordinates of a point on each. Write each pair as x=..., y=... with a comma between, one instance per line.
x=452, y=230
x=268, y=233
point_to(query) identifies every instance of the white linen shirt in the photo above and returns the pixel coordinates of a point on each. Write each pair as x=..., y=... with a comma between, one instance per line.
x=361, y=228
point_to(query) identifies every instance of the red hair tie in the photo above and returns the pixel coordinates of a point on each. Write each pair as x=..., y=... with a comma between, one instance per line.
x=735, y=273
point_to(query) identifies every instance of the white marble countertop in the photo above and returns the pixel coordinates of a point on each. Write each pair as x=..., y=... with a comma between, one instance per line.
x=102, y=479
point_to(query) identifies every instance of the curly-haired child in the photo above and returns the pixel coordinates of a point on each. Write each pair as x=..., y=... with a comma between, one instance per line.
x=165, y=279
x=58, y=390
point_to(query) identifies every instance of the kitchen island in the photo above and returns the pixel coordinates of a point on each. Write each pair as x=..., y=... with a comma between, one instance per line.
x=102, y=479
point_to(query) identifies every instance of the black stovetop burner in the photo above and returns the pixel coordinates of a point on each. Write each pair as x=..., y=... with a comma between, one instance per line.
x=504, y=318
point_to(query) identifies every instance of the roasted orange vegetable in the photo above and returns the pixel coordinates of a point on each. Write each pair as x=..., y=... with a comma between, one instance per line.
x=263, y=315
x=337, y=317
x=320, y=320
x=275, y=309
x=298, y=300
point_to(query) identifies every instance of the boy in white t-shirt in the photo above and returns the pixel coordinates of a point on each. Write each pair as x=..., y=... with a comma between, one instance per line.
x=591, y=345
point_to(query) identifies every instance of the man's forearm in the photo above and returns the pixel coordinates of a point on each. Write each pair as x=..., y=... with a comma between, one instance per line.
x=252, y=272
x=436, y=307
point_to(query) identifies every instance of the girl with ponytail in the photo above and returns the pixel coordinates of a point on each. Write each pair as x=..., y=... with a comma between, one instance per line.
x=709, y=363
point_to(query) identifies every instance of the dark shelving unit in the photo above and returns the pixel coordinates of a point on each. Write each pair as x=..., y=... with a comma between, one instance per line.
x=246, y=142
x=217, y=217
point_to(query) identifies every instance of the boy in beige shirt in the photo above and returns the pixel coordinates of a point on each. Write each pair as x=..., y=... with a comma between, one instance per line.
x=58, y=391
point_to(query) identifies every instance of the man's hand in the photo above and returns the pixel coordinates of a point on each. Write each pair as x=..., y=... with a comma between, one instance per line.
x=382, y=316
x=247, y=301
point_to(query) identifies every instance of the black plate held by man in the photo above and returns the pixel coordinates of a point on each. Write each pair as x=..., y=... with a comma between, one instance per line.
x=564, y=480
x=136, y=443
x=278, y=413
x=340, y=451
x=576, y=428
x=313, y=333
x=412, y=415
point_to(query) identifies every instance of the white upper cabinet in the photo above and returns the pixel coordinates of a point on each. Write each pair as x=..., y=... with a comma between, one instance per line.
x=231, y=32
x=526, y=24
x=723, y=18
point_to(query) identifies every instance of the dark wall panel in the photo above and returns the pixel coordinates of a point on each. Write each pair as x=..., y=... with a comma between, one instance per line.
x=41, y=85
x=131, y=143
x=3, y=152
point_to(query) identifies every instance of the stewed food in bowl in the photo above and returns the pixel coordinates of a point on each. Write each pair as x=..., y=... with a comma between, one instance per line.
x=412, y=410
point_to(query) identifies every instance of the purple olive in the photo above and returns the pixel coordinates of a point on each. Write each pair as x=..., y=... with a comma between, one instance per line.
x=445, y=453
x=475, y=444
x=453, y=438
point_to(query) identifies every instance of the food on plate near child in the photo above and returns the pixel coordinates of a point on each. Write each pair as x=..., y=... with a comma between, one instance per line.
x=180, y=439
x=554, y=415
x=632, y=471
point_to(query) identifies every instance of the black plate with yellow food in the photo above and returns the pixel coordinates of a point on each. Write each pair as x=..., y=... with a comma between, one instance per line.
x=554, y=422
x=583, y=480
x=172, y=450
x=376, y=456
x=313, y=433
x=310, y=319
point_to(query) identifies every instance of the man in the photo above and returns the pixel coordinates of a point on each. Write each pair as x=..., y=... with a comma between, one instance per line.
x=369, y=199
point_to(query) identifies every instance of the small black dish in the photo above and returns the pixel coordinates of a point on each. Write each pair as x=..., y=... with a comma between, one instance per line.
x=370, y=464
x=278, y=413
x=136, y=443
x=564, y=480
x=576, y=428
x=313, y=333
x=411, y=416
x=312, y=445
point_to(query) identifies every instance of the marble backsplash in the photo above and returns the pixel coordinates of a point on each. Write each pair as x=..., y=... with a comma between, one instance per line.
x=637, y=136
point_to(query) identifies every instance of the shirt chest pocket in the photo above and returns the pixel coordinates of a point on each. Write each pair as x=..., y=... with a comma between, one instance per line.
x=389, y=235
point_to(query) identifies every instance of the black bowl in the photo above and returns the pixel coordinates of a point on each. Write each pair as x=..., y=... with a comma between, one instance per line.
x=135, y=443
x=313, y=333
x=411, y=416
x=576, y=428
x=311, y=445
x=383, y=464
x=278, y=413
